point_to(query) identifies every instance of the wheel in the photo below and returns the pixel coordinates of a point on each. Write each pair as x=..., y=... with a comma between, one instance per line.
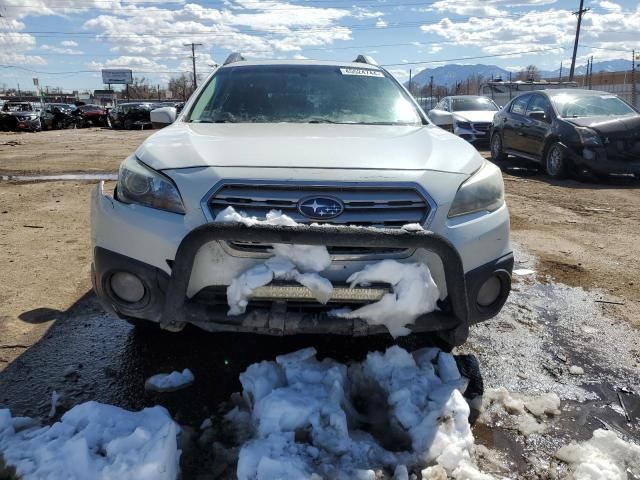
x=554, y=161
x=127, y=124
x=469, y=367
x=497, y=153
x=57, y=124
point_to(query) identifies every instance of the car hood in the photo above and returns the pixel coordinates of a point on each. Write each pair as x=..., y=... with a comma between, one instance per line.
x=609, y=125
x=184, y=145
x=474, y=116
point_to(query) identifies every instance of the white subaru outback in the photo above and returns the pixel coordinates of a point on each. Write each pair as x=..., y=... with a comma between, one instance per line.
x=348, y=158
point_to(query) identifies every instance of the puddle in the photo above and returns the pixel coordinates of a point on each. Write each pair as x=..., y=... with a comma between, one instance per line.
x=85, y=177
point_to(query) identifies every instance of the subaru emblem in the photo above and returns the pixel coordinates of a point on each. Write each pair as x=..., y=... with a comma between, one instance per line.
x=320, y=208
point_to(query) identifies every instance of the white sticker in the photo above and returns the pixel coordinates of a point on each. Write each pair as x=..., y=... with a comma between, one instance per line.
x=362, y=72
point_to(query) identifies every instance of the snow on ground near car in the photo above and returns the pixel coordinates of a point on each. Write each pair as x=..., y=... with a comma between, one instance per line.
x=604, y=455
x=414, y=291
x=169, y=382
x=93, y=440
x=323, y=419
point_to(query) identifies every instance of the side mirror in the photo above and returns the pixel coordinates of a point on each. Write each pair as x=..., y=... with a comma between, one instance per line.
x=161, y=117
x=440, y=117
x=541, y=116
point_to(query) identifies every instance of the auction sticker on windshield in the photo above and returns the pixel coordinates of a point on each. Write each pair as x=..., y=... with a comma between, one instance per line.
x=363, y=72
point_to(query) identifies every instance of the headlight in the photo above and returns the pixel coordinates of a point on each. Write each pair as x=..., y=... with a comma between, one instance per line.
x=464, y=125
x=138, y=183
x=588, y=136
x=483, y=191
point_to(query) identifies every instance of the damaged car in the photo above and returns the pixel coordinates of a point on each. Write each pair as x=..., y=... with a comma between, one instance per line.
x=20, y=116
x=569, y=131
x=304, y=197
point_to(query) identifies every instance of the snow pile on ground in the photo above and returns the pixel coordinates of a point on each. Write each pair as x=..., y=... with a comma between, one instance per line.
x=395, y=412
x=93, y=441
x=298, y=263
x=169, y=382
x=414, y=293
x=520, y=412
x=604, y=455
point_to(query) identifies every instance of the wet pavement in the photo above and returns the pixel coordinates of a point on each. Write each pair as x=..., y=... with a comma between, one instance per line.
x=529, y=348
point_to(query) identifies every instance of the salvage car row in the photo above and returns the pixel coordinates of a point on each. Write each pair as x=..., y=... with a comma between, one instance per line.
x=34, y=116
x=564, y=131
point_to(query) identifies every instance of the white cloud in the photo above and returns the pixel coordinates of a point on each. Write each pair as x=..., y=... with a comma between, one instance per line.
x=400, y=74
x=610, y=5
x=61, y=50
x=381, y=23
x=69, y=43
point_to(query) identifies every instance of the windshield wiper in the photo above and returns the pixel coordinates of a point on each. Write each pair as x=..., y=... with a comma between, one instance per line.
x=321, y=120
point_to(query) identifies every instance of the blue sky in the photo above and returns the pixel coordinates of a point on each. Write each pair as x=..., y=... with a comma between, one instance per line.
x=65, y=43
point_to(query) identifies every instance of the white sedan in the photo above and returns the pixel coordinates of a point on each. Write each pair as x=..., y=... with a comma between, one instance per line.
x=468, y=116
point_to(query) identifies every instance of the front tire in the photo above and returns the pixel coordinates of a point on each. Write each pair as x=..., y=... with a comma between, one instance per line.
x=555, y=162
x=497, y=149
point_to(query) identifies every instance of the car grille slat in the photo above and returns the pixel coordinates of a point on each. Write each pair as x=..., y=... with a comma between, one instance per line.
x=364, y=205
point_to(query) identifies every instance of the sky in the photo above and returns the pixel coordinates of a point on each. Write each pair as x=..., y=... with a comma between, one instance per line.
x=65, y=43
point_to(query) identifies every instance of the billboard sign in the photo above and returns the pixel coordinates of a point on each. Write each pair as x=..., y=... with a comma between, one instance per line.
x=117, y=76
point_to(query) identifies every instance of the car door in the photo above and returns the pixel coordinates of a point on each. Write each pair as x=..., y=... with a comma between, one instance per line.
x=512, y=138
x=537, y=125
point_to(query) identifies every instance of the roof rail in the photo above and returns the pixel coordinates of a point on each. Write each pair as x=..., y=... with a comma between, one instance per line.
x=234, y=57
x=365, y=59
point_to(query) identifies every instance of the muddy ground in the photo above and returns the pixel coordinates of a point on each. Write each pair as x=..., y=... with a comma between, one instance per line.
x=579, y=234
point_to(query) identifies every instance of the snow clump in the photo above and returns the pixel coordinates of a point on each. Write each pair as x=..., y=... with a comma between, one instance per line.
x=93, y=440
x=604, y=455
x=169, y=382
x=392, y=413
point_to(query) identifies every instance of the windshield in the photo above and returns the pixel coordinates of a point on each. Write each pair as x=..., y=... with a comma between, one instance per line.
x=17, y=107
x=575, y=105
x=304, y=94
x=473, y=103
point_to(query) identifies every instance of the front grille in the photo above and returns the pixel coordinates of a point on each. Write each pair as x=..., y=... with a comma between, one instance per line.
x=624, y=148
x=482, y=127
x=364, y=205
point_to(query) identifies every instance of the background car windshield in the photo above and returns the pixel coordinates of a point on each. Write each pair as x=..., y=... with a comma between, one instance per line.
x=471, y=104
x=571, y=105
x=302, y=94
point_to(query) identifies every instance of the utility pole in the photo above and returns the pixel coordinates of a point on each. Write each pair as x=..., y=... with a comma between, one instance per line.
x=193, y=60
x=579, y=13
x=560, y=76
x=591, y=73
x=410, y=82
x=634, y=95
x=431, y=91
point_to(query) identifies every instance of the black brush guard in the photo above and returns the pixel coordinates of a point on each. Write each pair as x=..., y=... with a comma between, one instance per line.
x=452, y=319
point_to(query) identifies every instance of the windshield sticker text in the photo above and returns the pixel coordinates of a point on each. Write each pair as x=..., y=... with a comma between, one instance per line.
x=363, y=72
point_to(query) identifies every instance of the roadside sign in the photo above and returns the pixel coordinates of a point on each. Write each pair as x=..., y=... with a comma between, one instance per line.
x=117, y=76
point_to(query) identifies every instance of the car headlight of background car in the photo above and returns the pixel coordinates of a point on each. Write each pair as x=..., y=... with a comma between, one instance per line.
x=483, y=191
x=588, y=137
x=140, y=184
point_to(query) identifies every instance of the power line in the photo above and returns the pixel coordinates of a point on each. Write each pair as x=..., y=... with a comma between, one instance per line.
x=510, y=54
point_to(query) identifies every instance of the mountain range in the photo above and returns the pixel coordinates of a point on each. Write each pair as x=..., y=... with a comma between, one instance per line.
x=449, y=75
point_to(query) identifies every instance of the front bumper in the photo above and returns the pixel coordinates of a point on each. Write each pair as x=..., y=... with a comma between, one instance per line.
x=599, y=161
x=30, y=124
x=166, y=300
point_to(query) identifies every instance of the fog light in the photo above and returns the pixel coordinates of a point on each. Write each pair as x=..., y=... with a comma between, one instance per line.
x=489, y=291
x=127, y=287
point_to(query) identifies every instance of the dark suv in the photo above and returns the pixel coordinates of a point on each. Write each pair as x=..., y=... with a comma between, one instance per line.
x=130, y=115
x=569, y=129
